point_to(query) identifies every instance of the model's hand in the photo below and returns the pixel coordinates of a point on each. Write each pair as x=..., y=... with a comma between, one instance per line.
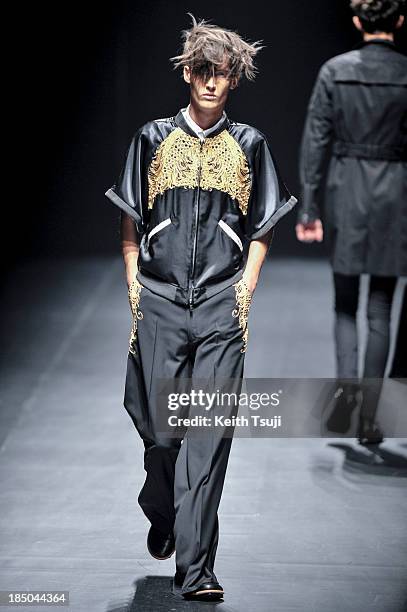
x=131, y=281
x=309, y=232
x=249, y=281
x=133, y=294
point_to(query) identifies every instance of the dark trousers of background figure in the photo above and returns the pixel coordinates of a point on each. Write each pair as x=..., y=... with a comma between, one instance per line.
x=379, y=304
x=184, y=480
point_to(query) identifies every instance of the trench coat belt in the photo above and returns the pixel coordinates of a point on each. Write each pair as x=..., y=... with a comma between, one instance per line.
x=341, y=148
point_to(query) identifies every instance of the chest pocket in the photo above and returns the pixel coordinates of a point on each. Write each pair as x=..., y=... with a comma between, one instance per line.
x=160, y=226
x=231, y=233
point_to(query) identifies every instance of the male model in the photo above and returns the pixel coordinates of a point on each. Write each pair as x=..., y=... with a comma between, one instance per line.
x=359, y=102
x=196, y=189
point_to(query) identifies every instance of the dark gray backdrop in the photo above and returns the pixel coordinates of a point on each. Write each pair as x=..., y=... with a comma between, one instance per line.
x=93, y=72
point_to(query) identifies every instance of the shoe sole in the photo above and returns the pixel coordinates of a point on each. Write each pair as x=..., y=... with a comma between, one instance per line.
x=160, y=558
x=371, y=442
x=206, y=594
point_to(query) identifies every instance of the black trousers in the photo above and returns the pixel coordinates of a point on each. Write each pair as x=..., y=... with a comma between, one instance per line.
x=380, y=298
x=399, y=366
x=184, y=480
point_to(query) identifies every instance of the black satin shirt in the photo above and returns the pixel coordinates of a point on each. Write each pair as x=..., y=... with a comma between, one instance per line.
x=197, y=204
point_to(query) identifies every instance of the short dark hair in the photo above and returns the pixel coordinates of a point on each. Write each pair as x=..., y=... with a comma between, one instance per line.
x=378, y=15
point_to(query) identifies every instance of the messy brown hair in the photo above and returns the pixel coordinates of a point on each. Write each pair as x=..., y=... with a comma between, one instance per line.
x=206, y=46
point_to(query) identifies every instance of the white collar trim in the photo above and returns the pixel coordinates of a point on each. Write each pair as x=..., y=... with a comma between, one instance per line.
x=196, y=128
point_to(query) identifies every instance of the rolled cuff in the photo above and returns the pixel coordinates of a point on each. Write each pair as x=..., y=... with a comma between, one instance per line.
x=113, y=197
x=279, y=213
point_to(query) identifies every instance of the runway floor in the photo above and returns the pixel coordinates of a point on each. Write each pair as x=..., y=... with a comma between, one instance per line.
x=307, y=525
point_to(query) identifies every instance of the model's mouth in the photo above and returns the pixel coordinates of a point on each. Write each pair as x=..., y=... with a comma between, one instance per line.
x=209, y=96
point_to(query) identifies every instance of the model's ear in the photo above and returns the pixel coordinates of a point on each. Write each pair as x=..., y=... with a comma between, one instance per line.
x=233, y=83
x=187, y=74
x=357, y=24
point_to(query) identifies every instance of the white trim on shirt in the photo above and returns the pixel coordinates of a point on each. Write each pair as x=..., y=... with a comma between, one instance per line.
x=196, y=128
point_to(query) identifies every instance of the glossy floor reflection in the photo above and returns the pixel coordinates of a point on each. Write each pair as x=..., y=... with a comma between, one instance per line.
x=306, y=525
x=153, y=593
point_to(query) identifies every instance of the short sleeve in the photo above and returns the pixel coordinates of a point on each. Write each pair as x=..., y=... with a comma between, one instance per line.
x=130, y=191
x=270, y=199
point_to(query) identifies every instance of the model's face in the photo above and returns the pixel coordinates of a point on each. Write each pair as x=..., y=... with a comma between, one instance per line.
x=210, y=93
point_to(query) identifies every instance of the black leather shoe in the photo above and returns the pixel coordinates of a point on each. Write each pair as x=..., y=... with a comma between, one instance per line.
x=369, y=433
x=345, y=401
x=207, y=591
x=179, y=578
x=160, y=545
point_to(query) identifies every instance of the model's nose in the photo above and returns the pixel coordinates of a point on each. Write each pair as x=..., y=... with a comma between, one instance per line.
x=211, y=85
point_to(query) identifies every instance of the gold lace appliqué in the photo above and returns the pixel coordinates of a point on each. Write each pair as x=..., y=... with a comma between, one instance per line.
x=134, y=299
x=243, y=302
x=219, y=163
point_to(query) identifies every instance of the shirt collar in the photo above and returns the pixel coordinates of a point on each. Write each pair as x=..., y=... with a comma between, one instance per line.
x=380, y=41
x=185, y=121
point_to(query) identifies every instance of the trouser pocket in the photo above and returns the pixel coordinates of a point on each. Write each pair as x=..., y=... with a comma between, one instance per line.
x=134, y=293
x=241, y=311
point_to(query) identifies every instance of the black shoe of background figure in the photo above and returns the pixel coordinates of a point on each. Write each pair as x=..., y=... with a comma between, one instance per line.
x=207, y=591
x=369, y=433
x=345, y=402
x=160, y=545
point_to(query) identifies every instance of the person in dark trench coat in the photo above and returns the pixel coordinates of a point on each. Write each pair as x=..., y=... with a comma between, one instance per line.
x=359, y=108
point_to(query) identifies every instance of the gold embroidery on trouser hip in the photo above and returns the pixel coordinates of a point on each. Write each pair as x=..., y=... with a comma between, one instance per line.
x=243, y=302
x=223, y=164
x=134, y=299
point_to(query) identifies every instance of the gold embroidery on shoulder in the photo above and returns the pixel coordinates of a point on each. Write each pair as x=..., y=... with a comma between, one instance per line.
x=134, y=299
x=175, y=164
x=220, y=163
x=225, y=168
x=243, y=303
